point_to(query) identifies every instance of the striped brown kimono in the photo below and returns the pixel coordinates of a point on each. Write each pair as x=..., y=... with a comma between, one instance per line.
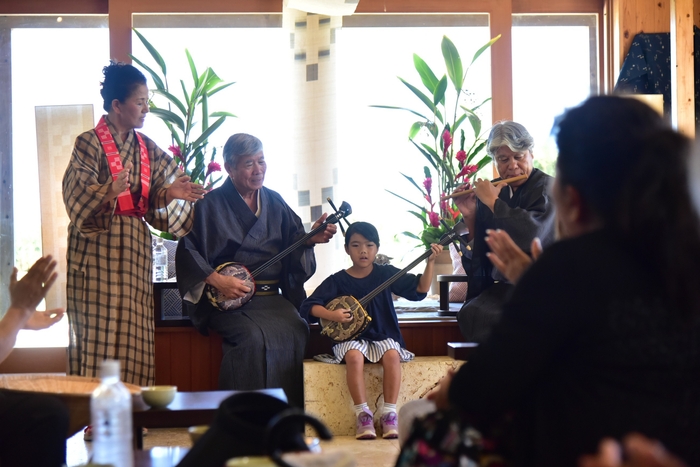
x=110, y=290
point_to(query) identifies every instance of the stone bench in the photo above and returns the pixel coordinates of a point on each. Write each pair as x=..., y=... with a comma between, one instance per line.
x=326, y=393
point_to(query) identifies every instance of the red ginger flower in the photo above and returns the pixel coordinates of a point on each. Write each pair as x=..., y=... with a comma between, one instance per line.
x=434, y=219
x=446, y=139
x=175, y=150
x=461, y=156
x=467, y=170
x=213, y=167
x=428, y=184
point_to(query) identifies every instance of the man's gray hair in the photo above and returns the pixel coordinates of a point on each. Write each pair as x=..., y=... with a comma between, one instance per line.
x=241, y=145
x=510, y=134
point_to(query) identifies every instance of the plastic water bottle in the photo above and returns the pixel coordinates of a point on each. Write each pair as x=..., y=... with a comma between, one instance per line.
x=110, y=408
x=160, y=261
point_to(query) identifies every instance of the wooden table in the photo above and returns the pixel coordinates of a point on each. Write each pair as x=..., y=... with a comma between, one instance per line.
x=187, y=409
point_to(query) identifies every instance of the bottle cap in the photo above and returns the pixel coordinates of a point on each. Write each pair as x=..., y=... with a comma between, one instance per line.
x=109, y=369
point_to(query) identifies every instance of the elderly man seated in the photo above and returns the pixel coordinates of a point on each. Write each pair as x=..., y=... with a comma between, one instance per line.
x=522, y=208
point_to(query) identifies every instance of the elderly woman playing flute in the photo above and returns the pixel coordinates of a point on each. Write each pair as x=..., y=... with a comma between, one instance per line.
x=522, y=207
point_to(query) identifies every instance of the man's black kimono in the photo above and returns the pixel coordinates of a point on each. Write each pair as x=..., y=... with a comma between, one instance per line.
x=265, y=339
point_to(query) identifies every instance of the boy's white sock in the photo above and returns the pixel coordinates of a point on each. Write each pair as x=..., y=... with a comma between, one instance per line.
x=388, y=408
x=359, y=408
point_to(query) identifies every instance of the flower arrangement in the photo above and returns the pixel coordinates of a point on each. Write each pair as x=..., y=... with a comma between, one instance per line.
x=433, y=135
x=188, y=149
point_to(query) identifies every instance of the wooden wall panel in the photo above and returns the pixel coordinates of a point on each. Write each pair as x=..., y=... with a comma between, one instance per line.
x=39, y=360
x=191, y=361
x=560, y=6
x=682, y=67
x=631, y=17
x=62, y=7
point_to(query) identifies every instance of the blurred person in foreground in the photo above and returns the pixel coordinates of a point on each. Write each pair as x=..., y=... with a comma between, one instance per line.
x=34, y=426
x=599, y=338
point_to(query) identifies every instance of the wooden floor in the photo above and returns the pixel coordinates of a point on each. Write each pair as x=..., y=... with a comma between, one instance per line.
x=368, y=453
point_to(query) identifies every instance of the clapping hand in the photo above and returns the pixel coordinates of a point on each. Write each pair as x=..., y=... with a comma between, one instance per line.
x=441, y=394
x=182, y=188
x=507, y=257
x=27, y=293
x=121, y=182
x=636, y=451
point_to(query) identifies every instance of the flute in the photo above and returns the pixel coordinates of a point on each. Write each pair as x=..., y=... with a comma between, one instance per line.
x=471, y=190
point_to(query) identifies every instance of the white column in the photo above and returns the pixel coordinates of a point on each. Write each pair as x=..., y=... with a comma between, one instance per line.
x=313, y=147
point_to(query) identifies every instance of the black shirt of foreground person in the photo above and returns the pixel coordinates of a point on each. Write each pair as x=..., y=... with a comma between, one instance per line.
x=586, y=348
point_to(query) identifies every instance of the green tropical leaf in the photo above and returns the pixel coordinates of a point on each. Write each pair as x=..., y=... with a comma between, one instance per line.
x=484, y=162
x=431, y=151
x=426, y=153
x=473, y=152
x=198, y=90
x=426, y=100
x=173, y=133
x=211, y=81
x=220, y=88
x=408, y=201
x=410, y=179
x=187, y=96
x=476, y=124
x=453, y=63
x=152, y=50
x=484, y=102
x=422, y=218
x=484, y=47
x=415, y=128
x=193, y=68
x=411, y=234
x=459, y=121
x=205, y=112
x=429, y=79
x=426, y=172
x=222, y=114
x=172, y=99
x=170, y=117
x=401, y=108
x=156, y=78
x=439, y=96
x=205, y=134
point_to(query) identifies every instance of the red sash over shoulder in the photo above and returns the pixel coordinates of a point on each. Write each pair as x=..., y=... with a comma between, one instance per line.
x=125, y=200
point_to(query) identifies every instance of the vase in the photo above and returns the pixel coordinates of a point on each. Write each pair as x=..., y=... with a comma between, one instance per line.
x=443, y=265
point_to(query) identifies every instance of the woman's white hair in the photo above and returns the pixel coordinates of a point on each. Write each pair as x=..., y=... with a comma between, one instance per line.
x=510, y=134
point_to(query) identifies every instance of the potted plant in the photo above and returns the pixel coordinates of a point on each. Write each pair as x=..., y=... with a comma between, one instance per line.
x=189, y=146
x=442, y=115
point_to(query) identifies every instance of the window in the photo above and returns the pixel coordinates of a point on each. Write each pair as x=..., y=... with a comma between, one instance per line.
x=555, y=66
x=373, y=143
x=46, y=71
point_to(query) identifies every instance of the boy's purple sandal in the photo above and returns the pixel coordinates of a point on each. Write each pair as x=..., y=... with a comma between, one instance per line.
x=390, y=425
x=365, y=426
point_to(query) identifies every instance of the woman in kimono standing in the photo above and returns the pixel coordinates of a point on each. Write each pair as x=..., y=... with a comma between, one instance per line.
x=117, y=181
